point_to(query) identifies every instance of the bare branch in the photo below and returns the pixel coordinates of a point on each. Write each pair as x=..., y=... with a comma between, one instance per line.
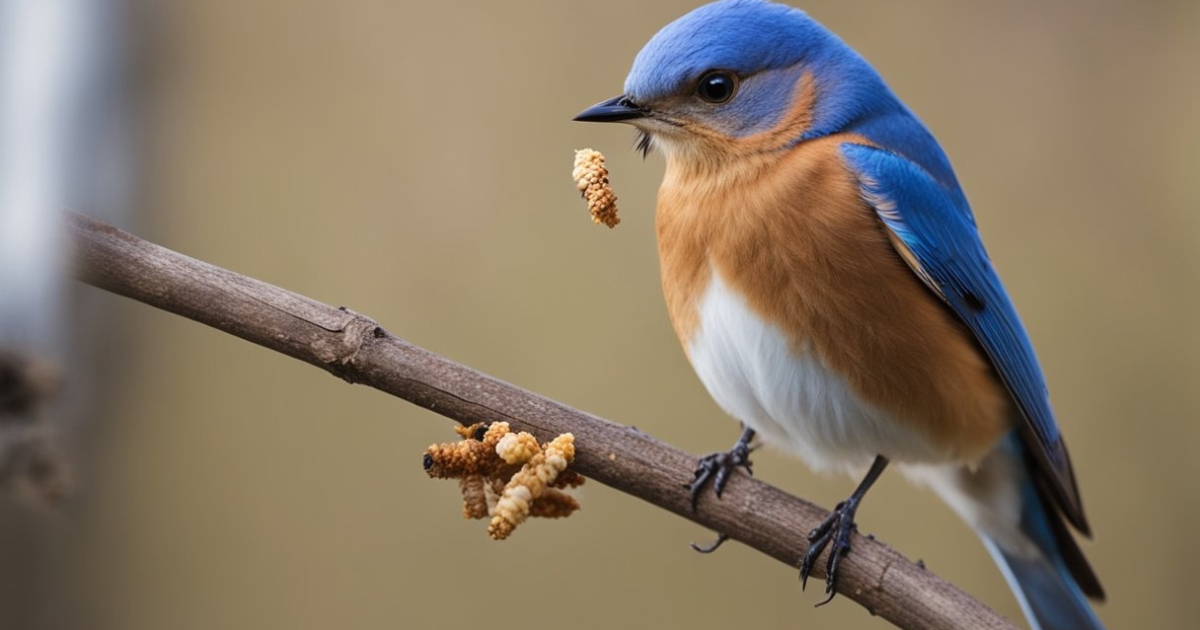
x=358, y=350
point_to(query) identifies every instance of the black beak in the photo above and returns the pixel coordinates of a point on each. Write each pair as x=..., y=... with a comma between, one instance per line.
x=613, y=110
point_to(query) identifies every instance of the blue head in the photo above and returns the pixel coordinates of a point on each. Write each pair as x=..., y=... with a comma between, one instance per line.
x=738, y=68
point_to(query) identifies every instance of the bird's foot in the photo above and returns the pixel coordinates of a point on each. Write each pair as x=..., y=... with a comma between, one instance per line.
x=717, y=467
x=837, y=529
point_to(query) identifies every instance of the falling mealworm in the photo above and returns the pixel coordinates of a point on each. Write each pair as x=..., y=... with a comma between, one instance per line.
x=591, y=177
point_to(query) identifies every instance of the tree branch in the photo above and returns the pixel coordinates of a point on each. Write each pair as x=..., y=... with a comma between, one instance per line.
x=358, y=350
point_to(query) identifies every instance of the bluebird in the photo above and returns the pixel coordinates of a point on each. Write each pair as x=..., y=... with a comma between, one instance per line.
x=824, y=273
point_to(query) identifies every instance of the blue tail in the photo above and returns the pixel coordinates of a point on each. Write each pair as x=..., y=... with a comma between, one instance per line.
x=1052, y=586
x=1049, y=596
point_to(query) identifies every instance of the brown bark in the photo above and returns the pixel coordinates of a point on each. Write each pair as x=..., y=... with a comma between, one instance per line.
x=358, y=350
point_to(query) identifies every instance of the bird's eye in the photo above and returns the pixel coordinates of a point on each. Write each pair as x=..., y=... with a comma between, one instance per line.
x=717, y=86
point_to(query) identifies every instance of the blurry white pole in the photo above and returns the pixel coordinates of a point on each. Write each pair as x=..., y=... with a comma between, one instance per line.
x=41, y=45
x=65, y=141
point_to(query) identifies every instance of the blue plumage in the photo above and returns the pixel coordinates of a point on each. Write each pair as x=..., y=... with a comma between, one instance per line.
x=730, y=35
x=716, y=36
x=947, y=247
x=1047, y=585
x=793, y=87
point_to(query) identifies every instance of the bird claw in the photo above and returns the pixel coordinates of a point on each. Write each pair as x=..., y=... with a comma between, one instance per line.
x=836, y=528
x=711, y=547
x=716, y=468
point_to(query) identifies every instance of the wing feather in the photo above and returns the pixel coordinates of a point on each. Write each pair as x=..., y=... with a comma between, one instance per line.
x=939, y=241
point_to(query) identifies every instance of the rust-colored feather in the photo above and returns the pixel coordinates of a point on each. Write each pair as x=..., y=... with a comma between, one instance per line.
x=787, y=229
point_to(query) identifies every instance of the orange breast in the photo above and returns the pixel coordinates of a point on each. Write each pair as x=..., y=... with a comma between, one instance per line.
x=790, y=234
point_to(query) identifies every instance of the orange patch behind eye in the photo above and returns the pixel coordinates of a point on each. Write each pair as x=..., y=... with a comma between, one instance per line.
x=717, y=146
x=794, y=123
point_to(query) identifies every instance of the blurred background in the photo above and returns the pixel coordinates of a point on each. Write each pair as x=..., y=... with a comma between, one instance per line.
x=411, y=161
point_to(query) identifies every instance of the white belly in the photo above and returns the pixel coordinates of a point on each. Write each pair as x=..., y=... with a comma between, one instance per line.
x=791, y=399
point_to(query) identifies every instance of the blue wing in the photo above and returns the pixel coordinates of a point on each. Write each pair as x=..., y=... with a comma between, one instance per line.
x=938, y=239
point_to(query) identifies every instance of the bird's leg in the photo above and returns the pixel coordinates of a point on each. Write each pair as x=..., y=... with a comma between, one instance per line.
x=716, y=467
x=837, y=527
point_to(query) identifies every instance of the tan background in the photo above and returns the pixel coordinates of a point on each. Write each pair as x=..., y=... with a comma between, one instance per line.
x=411, y=160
